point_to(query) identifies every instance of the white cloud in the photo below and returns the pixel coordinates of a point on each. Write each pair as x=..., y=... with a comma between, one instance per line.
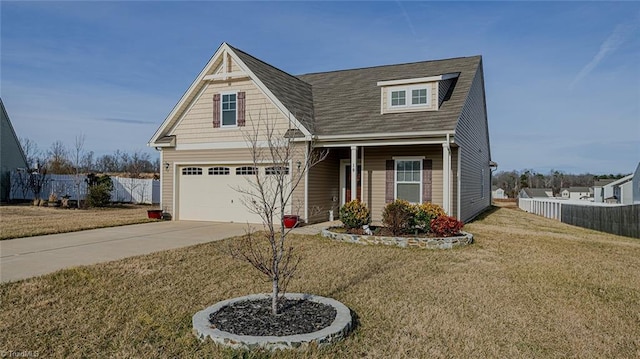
x=619, y=35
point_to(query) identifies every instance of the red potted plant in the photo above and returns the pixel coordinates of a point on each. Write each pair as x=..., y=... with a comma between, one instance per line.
x=290, y=220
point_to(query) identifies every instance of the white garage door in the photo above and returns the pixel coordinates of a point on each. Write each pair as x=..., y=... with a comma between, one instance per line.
x=208, y=193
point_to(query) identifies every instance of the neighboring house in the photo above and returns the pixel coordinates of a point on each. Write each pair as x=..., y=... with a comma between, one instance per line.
x=498, y=193
x=415, y=131
x=11, y=155
x=625, y=190
x=599, y=193
x=535, y=193
x=577, y=193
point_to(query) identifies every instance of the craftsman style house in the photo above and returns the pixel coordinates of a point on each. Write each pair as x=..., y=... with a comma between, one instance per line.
x=415, y=131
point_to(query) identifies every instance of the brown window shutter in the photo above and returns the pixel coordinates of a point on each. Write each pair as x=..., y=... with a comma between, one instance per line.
x=241, y=106
x=427, y=191
x=216, y=110
x=390, y=182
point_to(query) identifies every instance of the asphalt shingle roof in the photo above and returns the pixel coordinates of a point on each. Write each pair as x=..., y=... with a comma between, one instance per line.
x=348, y=101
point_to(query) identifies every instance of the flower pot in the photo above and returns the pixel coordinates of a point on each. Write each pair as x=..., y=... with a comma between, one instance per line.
x=290, y=220
x=154, y=213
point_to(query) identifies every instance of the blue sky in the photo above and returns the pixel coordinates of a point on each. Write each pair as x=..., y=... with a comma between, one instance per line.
x=562, y=79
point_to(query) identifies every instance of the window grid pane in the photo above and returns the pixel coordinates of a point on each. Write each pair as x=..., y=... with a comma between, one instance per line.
x=419, y=97
x=398, y=98
x=408, y=180
x=229, y=110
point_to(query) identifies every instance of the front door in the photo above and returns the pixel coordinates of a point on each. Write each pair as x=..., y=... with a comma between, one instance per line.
x=347, y=181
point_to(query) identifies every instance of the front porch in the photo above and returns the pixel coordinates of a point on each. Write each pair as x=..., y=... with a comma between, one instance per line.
x=379, y=174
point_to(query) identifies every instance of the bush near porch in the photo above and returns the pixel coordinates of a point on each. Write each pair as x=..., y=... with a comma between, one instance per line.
x=402, y=218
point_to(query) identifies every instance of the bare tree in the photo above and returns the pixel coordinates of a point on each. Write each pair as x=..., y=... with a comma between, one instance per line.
x=31, y=151
x=38, y=178
x=59, y=159
x=268, y=195
x=78, y=154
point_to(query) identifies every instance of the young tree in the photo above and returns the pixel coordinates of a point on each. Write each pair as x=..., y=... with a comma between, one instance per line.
x=268, y=195
x=38, y=178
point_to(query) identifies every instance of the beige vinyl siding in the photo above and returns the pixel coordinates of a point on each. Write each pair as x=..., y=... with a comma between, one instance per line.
x=433, y=100
x=324, y=180
x=375, y=173
x=472, y=135
x=196, y=126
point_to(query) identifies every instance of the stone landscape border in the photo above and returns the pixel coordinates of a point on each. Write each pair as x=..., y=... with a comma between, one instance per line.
x=340, y=327
x=404, y=242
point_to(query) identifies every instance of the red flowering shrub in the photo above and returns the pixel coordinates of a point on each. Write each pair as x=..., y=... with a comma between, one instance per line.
x=445, y=226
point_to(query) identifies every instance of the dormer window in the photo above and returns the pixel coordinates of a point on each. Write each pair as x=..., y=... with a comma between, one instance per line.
x=413, y=96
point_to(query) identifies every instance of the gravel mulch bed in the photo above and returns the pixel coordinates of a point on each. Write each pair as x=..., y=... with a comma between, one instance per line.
x=254, y=318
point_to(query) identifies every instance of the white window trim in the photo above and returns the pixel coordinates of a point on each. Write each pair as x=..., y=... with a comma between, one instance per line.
x=395, y=175
x=408, y=96
x=222, y=125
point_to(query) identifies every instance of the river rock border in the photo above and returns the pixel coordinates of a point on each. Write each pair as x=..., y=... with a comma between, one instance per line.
x=339, y=329
x=404, y=242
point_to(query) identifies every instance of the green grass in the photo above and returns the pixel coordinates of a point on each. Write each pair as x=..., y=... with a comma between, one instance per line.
x=528, y=288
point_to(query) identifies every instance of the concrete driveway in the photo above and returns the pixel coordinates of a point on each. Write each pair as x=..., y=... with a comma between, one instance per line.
x=28, y=257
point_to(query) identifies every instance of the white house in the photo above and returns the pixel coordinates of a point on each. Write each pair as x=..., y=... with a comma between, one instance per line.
x=498, y=193
x=576, y=193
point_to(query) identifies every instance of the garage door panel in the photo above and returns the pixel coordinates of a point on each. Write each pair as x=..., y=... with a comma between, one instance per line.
x=211, y=197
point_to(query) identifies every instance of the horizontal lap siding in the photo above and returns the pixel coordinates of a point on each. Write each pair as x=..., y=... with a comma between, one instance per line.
x=472, y=135
x=324, y=180
x=375, y=173
x=196, y=125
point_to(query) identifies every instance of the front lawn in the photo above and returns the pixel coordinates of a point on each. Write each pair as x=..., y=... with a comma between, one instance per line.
x=26, y=220
x=528, y=287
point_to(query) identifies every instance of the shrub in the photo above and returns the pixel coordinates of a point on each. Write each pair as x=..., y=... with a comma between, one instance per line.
x=398, y=216
x=355, y=214
x=446, y=226
x=99, y=191
x=426, y=212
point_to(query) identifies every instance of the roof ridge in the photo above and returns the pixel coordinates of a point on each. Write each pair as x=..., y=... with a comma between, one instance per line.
x=390, y=65
x=267, y=64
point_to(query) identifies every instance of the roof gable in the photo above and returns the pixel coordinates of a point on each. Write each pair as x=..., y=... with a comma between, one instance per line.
x=212, y=70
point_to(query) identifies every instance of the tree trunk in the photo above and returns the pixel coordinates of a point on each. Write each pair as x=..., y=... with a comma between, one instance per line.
x=274, y=298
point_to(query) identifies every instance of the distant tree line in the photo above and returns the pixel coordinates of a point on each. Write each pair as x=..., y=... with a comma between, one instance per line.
x=58, y=159
x=513, y=181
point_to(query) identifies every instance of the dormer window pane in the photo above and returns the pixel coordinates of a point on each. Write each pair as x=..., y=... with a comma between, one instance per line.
x=419, y=97
x=398, y=98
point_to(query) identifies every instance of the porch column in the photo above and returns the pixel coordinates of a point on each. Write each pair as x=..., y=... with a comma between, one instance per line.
x=446, y=178
x=354, y=172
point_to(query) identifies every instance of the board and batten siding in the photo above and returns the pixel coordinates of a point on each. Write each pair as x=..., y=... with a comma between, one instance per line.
x=472, y=135
x=196, y=124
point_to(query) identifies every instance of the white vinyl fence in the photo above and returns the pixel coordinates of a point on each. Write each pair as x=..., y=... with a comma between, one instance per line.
x=133, y=190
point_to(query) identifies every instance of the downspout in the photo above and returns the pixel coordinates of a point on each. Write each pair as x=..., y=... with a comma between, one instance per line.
x=446, y=174
x=306, y=183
